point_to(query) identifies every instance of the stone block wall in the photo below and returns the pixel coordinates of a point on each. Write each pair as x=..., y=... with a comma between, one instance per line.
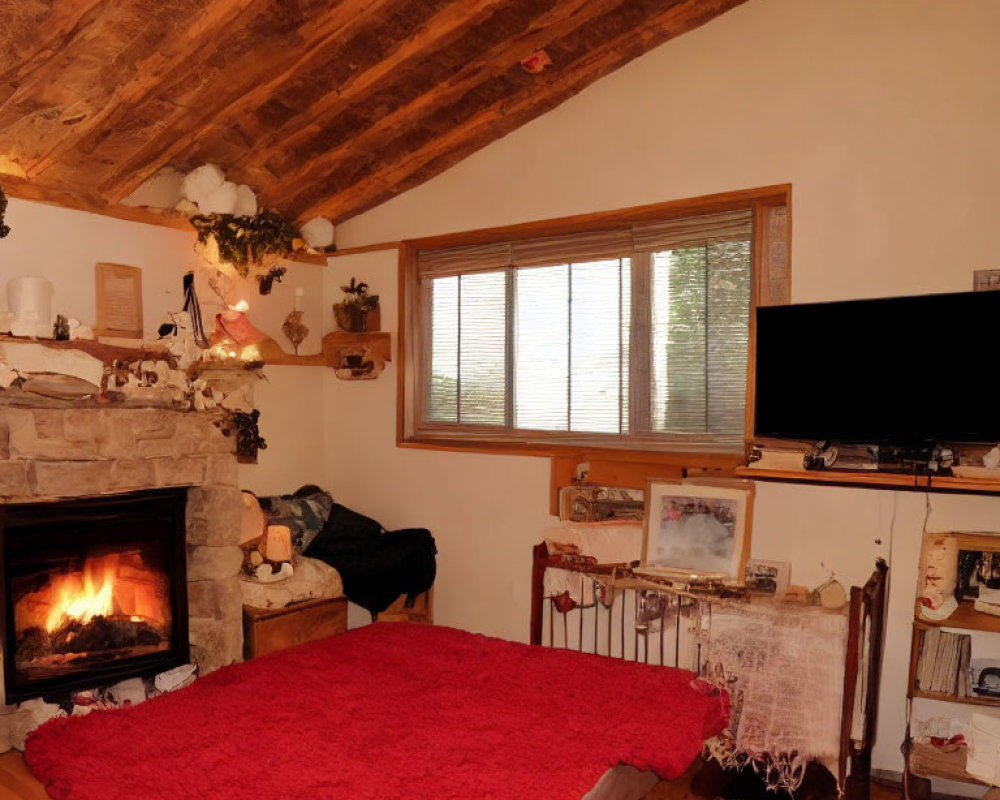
x=52, y=453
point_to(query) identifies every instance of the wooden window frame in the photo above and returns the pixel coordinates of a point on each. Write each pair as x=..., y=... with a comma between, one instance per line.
x=769, y=246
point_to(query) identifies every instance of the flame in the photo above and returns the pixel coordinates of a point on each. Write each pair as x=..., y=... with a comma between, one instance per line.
x=84, y=595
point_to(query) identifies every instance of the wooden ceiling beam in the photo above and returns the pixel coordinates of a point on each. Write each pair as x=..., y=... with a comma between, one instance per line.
x=254, y=38
x=63, y=92
x=188, y=33
x=81, y=201
x=500, y=58
x=244, y=90
x=374, y=168
x=32, y=29
x=437, y=34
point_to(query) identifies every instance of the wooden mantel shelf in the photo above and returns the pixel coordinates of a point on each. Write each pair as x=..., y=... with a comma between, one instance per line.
x=337, y=346
x=876, y=480
x=103, y=352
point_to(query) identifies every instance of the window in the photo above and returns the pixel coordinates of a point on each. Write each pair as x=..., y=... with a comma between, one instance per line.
x=630, y=329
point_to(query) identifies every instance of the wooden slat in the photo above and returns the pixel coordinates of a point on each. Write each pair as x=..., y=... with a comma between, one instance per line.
x=71, y=86
x=326, y=104
x=391, y=164
x=319, y=41
x=497, y=58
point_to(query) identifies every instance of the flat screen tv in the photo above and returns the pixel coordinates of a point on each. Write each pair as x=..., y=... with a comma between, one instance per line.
x=899, y=370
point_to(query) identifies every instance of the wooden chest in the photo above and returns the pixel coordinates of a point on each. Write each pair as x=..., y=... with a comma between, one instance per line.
x=266, y=630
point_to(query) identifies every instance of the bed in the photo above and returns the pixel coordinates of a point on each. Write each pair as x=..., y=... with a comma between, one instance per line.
x=392, y=710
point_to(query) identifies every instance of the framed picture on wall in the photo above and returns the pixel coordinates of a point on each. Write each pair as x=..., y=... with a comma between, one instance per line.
x=697, y=529
x=119, y=301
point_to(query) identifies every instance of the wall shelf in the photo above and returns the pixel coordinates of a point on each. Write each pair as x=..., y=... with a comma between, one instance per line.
x=103, y=352
x=353, y=356
x=876, y=480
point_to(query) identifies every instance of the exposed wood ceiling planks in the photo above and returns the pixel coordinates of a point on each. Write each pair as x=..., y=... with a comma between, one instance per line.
x=324, y=107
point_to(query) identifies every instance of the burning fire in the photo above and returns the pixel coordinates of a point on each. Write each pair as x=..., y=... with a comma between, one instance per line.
x=114, y=585
x=82, y=596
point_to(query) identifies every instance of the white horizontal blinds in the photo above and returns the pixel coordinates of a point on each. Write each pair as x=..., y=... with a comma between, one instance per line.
x=443, y=261
x=543, y=251
x=441, y=382
x=571, y=345
x=598, y=381
x=481, y=348
x=466, y=382
x=541, y=351
x=561, y=307
x=730, y=264
x=670, y=234
x=699, y=337
x=678, y=333
x=572, y=248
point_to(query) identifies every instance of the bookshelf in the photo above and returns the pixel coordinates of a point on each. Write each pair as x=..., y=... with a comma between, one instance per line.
x=939, y=669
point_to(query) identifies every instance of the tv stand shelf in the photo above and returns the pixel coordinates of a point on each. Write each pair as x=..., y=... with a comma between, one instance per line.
x=876, y=480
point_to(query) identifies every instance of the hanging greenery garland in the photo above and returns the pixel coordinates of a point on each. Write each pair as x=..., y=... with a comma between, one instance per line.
x=246, y=241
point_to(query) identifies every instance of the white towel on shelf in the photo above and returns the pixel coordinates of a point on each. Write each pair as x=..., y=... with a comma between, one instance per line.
x=983, y=761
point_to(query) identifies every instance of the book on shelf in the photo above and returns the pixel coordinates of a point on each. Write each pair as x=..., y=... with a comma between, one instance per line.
x=925, y=662
x=963, y=667
x=942, y=662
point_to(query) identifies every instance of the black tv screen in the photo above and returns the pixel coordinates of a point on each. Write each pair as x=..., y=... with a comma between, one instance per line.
x=905, y=370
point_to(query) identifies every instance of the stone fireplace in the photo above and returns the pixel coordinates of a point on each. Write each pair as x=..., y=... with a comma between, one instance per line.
x=52, y=450
x=92, y=590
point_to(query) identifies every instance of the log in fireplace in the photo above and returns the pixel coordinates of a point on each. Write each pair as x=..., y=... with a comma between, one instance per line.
x=92, y=591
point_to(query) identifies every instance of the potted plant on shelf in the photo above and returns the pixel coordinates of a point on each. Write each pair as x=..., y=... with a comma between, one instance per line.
x=359, y=311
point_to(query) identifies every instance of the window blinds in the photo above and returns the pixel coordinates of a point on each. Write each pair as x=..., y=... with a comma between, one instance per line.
x=540, y=334
x=586, y=246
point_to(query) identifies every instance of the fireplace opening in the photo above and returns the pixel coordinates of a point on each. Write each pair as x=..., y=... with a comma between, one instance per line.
x=93, y=591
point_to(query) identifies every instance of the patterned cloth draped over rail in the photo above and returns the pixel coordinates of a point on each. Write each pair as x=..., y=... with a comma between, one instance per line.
x=784, y=669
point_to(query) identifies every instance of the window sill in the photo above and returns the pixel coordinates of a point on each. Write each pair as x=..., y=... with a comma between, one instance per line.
x=727, y=459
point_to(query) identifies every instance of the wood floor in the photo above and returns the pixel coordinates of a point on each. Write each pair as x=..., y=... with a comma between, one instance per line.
x=16, y=783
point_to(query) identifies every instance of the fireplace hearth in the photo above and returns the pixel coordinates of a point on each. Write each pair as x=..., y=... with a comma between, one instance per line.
x=63, y=452
x=92, y=590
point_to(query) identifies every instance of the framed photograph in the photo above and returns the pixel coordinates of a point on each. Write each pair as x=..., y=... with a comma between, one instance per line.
x=119, y=301
x=699, y=527
x=768, y=577
x=986, y=280
x=978, y=574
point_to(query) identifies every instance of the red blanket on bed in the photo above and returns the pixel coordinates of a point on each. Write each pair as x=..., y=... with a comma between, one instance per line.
x=392, y=710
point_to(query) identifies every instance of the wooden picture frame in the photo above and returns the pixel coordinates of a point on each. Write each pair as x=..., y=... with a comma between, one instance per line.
x=119, y=301
x=701, y=528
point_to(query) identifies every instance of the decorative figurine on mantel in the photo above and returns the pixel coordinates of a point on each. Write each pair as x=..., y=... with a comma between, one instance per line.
x=292, y=327
x=359, y=311
x=60, y=330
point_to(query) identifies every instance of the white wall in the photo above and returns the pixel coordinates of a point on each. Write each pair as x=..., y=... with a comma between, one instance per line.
x=883, y=116
x=64, y=245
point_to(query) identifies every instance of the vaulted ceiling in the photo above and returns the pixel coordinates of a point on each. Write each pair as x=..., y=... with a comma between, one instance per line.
x=324, y=107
